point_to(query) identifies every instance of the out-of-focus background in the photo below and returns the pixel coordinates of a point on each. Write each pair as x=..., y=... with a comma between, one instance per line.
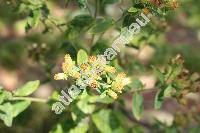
x=38, y=54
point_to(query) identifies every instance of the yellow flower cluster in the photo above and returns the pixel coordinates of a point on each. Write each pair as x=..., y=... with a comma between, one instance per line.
x=69, y=69
x=91, y=73
x=118, y=84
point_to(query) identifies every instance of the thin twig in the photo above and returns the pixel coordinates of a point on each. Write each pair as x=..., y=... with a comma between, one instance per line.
x=87, y=6
x=131, y=118
x=96, y=9
x=54, y=23
x=95, y=16
x=101, y=35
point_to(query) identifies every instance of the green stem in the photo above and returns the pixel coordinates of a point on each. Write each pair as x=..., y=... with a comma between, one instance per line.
x=29, y=99
x=96, y=9
x=95, y=16
x=87, y=6
x=54, y=23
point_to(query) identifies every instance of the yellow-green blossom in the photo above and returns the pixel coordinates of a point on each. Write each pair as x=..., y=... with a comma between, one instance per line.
x=120, y=81
x=93, y=74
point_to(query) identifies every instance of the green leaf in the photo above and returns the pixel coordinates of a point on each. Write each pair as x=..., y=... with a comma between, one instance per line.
x=133, y=10
x=137, y=105
x=101, y=26
x=81, y=21
x=159, y=99
x=99, y=47
x=82, y=57
x=82, y=3
x=27, y=89
x=176, y=70
x=126, y=33
x=137, y=84
x=7, y=119
x=4, y=95
x=82, y=127
x=20, y=107
x=69, y=47
x=58, y=129
x=105, y=100
x=108, y=121
x=85, y=103
x=33, y=19
x=7, y=116
x=102, y=123
x=159, y=74
x=78, y=24
x=168, y=91
x=8, y=111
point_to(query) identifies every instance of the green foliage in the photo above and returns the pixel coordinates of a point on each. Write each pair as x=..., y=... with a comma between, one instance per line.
x=159, y=74
x=58, y=129
x=137, y=84
x=33, y=20
x=7, y=115
x=159, y=99
x=108, y=121
x=85, y=103
x=27, y=89
x=101, y=26
x=137, y=105
x=4, y=95
x=78, y=24
x=82, y=3
x=82, y=127
x=11, y=110
x=20, y=107
x=99, y=47
x=82, y=57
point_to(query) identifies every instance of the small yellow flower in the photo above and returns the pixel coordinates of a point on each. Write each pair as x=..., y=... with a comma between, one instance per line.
x=68, y=64
x=146, y=10
x=174, y=4
x=66, y=67
x=100, y=61
x=121, y=75
x=60, y=76
x=76, y=75
x=68, y=59
x=97, y=77
x=126, y=81
x=85, y=67
x=93, y=84
x=92, y=59
x=120, y=82
x=110, y=69
x=118, y=86
x=112, y=94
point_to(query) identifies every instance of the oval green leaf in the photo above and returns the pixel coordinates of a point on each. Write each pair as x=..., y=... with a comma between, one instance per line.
x=82, y=57
x=137, y=105
x=27, y=89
